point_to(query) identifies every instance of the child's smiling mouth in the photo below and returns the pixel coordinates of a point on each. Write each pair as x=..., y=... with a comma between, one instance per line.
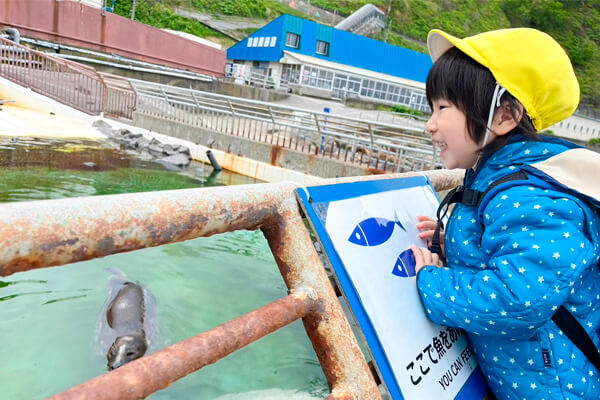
x=441, y=145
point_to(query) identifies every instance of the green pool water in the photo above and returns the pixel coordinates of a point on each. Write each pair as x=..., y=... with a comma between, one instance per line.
x=48, y=317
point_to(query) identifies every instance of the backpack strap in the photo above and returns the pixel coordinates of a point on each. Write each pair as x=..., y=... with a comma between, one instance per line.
x=577, y=334
x=469, y=197
x=565, y=321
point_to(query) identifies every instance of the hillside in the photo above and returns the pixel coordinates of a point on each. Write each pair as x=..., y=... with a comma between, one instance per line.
x=575, y=24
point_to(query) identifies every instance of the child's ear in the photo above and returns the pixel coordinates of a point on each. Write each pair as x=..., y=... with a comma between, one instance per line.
x=504, y=121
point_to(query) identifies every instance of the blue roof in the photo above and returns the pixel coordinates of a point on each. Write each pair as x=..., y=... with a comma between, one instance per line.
x=344, y=48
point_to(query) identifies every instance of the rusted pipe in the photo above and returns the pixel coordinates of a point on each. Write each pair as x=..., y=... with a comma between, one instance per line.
x=55, y=232
x=341, y=396
x=336, y=347
x=154, y=372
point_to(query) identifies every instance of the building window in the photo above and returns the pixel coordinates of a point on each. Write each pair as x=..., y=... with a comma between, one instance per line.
x=322, y=48
x=292, y=40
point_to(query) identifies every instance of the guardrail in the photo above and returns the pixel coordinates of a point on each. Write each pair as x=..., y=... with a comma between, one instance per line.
x=373, y=144
x=71, y=83
x=57, y=232
x=376, y=145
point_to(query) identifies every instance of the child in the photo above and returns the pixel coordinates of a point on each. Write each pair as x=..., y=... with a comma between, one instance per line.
x=512, y=263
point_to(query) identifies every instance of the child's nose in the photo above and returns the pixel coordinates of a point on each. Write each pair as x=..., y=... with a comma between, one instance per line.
x=430, y=126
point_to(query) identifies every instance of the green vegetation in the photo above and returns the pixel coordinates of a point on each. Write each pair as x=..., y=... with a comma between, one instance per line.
x=595, y=142
x=267, y=9
x=575, y=24
x=161, y=15
x=397, y=108
x=406, y=110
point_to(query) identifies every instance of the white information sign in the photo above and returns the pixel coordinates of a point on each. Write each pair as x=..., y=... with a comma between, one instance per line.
x=371, y=235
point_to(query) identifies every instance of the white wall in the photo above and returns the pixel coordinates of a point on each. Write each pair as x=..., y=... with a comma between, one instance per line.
x=92, y=3
x=276, y=69
x=578, y=128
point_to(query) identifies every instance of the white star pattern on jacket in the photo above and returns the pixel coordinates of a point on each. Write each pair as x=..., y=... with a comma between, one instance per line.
x=537, y=256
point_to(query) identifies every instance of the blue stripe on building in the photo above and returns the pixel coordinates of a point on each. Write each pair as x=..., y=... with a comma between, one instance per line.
x=344, y=48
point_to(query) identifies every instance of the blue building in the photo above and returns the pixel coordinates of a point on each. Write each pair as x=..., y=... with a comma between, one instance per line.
x=315, y=59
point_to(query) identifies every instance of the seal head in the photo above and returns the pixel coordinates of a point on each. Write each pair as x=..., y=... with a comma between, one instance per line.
x=125, y=349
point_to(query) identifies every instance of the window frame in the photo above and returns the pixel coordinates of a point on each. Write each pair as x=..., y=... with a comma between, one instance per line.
x=326, y=51
x=290, y=35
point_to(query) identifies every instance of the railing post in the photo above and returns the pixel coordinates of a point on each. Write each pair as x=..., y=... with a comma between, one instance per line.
x=318, y=130
x=328, y=329
x=371, y=134
x=29, y=68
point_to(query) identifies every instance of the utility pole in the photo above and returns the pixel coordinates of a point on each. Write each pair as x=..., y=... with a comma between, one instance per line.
x=387, y=20
x=133, y=10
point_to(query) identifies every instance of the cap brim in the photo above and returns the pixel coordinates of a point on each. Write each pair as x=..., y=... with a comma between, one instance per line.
x=439, y=42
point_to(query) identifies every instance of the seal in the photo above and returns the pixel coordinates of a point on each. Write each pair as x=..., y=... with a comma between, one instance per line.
x=125, y=315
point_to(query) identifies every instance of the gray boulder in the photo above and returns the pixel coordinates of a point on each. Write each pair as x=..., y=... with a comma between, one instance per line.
x=179, y=160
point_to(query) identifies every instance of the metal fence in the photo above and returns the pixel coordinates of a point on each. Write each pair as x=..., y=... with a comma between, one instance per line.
x=56, y=232
x=376, y=145
x=372, y=144
x=68, y=82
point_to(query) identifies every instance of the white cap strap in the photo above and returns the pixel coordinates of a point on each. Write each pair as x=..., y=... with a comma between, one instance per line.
x=498, y=92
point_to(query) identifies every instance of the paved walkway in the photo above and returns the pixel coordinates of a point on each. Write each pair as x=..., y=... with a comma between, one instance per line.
x=337, y=107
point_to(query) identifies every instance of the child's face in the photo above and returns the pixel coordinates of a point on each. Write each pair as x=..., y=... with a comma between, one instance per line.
x=448, y=128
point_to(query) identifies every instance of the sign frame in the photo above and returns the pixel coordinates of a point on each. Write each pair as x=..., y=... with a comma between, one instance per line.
x=309, y=198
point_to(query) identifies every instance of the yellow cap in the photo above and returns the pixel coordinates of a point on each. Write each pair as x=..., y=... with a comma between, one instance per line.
x=529, y=63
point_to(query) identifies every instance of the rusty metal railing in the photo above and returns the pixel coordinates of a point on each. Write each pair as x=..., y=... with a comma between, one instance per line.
x=56, y=232
x=120, y=97
x=68, y=82
x=372, y=144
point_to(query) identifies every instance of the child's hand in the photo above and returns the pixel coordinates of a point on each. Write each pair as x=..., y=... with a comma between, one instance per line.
x=426, y=227
x=424, y=257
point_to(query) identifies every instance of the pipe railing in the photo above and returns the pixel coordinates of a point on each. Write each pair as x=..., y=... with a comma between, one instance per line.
x=68, y=82
x=373, y=144
x=56, y=232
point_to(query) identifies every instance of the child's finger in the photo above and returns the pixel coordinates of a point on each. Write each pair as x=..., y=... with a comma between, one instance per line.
x=426, y=225
x=419, y=261
x=435, y=259
x=426, y=234
x=424, y=218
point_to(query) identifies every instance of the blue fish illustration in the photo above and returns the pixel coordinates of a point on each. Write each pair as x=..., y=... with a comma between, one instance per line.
x=405, y=264
x=374, y=231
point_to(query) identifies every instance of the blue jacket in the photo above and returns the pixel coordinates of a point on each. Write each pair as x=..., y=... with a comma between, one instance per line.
x=528, y=251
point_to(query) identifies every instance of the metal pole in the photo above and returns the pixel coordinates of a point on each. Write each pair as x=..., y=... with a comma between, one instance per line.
x=133, y=10
x=140, y=378
x=387, y=21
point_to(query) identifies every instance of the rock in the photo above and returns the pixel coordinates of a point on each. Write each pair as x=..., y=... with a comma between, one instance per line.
x=120, y=132
x=142, y=143
x=179, y=160
x=155, y=148
x=103, y=126
x=168, y=150
x=184, y=150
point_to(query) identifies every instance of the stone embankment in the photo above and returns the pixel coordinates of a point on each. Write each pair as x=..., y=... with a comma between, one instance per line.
x=165, y=153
